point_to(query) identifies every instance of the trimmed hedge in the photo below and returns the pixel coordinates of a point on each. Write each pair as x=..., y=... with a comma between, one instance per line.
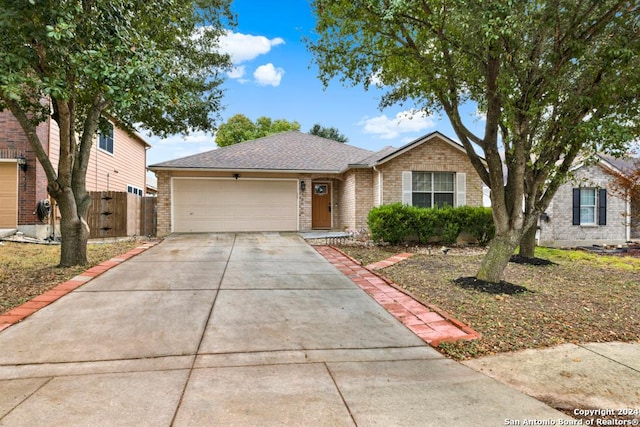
x=398, y=223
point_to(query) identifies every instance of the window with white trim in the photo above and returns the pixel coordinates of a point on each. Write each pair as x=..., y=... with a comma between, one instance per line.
x=432, y=189
x=588, y=206
x=105, y=139
x=134, y=190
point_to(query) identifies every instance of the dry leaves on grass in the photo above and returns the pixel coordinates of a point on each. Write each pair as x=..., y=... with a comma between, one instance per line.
x=585, y=298
x=28, y=270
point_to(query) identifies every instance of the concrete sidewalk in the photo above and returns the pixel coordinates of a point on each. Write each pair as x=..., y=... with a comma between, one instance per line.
x=224, y=329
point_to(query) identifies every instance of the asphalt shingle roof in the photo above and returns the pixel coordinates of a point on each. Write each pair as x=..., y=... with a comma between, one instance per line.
x=624, y=164
x=292, y=151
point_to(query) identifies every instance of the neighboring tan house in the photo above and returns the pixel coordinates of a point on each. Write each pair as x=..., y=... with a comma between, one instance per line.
x=584, y=212
x=294, y=181
x=118, y=163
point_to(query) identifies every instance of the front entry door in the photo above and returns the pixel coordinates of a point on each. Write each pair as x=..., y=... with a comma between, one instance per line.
x=321, y=205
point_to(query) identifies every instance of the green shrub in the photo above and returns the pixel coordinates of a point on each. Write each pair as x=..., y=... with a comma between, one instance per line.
x=398, y=223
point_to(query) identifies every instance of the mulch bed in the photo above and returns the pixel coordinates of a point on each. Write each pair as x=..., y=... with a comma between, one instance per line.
x=538, y=262
x=489, y=287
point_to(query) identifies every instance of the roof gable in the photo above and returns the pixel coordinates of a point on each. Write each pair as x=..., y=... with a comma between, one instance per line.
x=286, y=151
x=392, y=154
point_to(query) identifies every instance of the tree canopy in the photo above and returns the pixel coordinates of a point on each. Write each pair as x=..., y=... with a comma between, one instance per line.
x=239, y=128
x=328, y=132
x=152, y=64
x=553, y=79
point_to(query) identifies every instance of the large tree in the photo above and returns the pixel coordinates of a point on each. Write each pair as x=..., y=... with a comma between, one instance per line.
x=239, y=128
x=152, y=63
x=327, y=132
x=553, y=78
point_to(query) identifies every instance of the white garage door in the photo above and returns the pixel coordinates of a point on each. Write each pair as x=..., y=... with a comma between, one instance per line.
x=211, y=205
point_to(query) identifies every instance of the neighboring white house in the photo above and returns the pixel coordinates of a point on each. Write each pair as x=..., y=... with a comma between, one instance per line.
x=584, y=212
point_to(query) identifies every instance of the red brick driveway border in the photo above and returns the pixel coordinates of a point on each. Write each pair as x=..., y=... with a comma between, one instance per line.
x=19, y=313
x=427, y=321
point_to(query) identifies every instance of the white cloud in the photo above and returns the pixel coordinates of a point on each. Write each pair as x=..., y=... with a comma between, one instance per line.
x=245, y=47
x=177, y=146
x=480, y=116
x=404, y=122
x=236, y=72
x=268, y=75
x=376, y=80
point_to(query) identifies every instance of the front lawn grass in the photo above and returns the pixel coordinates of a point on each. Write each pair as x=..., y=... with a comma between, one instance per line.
x=28, y=270
x=584, y=298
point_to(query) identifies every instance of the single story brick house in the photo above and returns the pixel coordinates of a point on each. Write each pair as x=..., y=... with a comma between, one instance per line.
x=584, y=212
x=293, y=181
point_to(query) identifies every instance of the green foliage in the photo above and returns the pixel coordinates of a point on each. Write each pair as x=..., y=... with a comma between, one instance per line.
x=398, y=223
x=329, y=133
x=112, y=54
x=152, y=65
x=239, y=128
x=554, y=79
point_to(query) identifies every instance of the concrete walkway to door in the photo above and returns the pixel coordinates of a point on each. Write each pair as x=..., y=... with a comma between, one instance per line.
x=225, y=329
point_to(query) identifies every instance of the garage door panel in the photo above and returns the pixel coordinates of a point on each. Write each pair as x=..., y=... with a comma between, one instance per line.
x=8, y=195
x=208, y=205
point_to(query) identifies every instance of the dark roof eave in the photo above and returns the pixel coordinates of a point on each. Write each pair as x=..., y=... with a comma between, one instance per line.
x=261, y=170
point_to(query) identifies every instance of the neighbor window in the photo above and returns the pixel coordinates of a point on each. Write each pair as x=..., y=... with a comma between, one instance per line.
x=432, y=189
x=589, y=206
x=134, y=190
x=105, y=139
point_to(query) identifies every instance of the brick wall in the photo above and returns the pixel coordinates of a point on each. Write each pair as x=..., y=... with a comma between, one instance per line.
x=346, y=202
x=163, y=210
x=560, y=231
x=304, y=203
x=364, y=196
x=32, y=183
x=434, y=155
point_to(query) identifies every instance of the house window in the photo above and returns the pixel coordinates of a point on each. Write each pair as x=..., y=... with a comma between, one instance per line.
x=105, y=139
x=134, y=190
x=589, y=206
x=432, y=189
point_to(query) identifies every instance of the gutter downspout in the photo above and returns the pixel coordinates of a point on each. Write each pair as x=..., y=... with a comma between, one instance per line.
x=627, y=225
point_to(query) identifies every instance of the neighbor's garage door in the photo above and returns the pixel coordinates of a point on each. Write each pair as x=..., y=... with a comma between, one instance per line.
x=209, y=205
x=8, y=195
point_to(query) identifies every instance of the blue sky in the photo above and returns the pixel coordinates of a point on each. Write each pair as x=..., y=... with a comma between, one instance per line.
x=274, y=77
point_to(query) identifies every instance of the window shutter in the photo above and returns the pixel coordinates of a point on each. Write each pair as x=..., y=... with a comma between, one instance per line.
x=602, y=206
x=407, y=188
x=461, y=189
x=576, y=206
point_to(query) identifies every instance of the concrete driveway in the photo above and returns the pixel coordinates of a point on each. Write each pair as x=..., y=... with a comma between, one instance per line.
x=236, y=329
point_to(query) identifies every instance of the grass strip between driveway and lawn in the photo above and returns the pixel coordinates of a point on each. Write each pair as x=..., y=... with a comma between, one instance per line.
x=583, y=297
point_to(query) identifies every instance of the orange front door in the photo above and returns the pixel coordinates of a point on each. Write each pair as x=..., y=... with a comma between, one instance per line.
x=321, y=205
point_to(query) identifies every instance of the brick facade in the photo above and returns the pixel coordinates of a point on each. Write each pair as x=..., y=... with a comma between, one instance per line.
x=355, y=191
x=559, y=229
x=163, y=208
x=32, y=183
x=434, y=155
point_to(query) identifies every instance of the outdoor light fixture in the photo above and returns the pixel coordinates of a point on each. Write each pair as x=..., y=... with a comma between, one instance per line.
x=22, y=162
x=236, y=175
x=303, y=185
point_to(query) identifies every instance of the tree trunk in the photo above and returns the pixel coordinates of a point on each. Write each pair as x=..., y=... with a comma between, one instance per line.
x=73, y=228
x=528, y=243
x=495, y=261
x=75, y=235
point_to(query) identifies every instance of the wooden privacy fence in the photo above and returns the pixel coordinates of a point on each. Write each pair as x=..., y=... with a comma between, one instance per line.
x=119, y=214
